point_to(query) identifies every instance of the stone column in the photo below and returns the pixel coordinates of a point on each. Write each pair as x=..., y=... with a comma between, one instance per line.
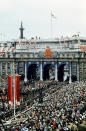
x=24, y=67
x=18, y=67
x=78, y=71
x=56, y=72
x=41, y=72
x=11, y=67
x=82, y=70
x=70, y=80
x=0, y=68
x=25, y=79
x=6, y=68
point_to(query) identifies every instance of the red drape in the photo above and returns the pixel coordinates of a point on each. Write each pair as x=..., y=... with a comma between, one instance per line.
x=10, y=90
x=17, y=88
x=48, y=53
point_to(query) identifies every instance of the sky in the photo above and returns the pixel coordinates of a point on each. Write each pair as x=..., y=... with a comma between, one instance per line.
x=36, y=18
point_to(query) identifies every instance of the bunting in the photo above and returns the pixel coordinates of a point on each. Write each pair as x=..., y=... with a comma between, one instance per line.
x=82, y=47
x=3, y=51
x=20, y=42
x=57, y=38
x=53, y=16
x=12, y=49
x=62, y=38
x=34, y=44
x=8, y=50
x=30, y=44
x=27, y=44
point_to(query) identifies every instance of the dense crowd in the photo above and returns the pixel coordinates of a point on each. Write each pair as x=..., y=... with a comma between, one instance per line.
x=63, y=105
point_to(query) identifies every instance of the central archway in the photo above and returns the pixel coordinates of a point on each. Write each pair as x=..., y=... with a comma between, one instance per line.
x=63, y=74
x=32, y=72
x=48, y=72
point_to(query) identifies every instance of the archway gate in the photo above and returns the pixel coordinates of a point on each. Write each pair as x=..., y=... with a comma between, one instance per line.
x=40, y=65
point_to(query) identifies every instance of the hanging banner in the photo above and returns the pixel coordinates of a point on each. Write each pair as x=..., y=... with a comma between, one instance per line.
x=10, y=90
x=48, y=52
x=17, y=89
x=82, y=47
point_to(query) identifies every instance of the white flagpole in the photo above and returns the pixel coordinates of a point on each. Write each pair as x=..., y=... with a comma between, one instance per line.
x=14, y=86
x=51, y=24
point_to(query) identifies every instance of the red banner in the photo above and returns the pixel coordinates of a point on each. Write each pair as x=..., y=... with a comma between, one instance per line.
x=48, y=53
x=17, y=88
x=82, y=47
x=10, y=91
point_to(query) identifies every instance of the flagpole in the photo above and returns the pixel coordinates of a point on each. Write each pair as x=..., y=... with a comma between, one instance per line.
x=14, y=87
x=51, y=25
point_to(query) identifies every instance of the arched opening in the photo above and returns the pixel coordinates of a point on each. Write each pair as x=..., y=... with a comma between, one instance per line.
x=22, y=76
x=48, y=72
x=63, y=74
x=32, y=72
x=74, y=78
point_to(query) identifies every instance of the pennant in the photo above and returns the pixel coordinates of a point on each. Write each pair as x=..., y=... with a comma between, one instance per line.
x=67, y=38
x=57, y=38
x=34, y=45
x=20, y=42
x=69, y=41
x=3, y=51
x=53, y=16
x=82, y=47
x=12, y=49
x=27, y=44
x=64, y=41
x=8, y=50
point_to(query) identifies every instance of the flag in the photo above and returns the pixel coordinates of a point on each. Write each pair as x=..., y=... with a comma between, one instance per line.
x=20, y=42
x=82, y=47
x=53, y=16
x=3, y=51
x=12, y=49
x=10, y=90
x=67, y=37
x=27, y=44
x=34, y=44
x=17, y=89
x=69, y=41
x=57, y=38
x=62, y=38
x=8, y=50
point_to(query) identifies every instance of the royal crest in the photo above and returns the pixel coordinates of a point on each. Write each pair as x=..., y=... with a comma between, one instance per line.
x=48, y=53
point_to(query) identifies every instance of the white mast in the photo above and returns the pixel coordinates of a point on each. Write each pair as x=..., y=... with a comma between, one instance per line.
x=14, y=88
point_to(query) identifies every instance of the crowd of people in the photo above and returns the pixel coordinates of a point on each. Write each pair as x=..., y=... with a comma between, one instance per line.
x=63, y=107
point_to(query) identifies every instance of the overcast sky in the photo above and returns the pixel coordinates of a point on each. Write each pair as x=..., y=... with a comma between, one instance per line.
x=36, y=18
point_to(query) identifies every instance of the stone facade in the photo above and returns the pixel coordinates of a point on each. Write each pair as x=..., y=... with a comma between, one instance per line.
x=33, y=51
